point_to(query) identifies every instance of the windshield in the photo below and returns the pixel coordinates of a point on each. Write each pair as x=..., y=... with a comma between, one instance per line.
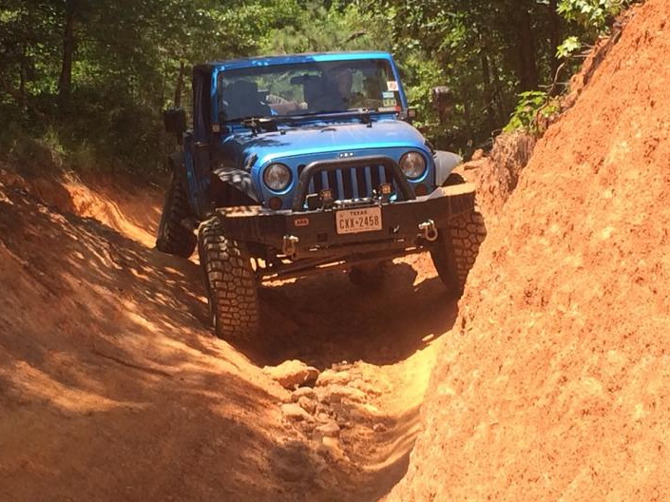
x=308, y=88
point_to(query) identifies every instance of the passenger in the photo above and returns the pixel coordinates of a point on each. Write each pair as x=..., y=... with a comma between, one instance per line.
x=335, y=91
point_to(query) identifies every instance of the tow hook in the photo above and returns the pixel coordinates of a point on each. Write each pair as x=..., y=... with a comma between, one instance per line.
x=428, y=230
x=288, y=245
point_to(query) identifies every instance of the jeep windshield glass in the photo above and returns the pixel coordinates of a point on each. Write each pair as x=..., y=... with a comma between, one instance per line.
x=308, y=88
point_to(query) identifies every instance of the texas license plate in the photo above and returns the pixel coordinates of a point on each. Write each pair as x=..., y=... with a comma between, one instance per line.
x=354, y=221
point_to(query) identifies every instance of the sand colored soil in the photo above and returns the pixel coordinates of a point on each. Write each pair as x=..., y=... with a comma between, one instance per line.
x=554, y=383
x=112, y=386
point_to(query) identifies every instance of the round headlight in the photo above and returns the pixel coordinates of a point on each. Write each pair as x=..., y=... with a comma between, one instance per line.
x=277, y=177
x=413, y=165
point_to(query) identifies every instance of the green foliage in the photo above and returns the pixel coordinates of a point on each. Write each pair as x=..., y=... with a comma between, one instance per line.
x=592, y=14
x=569, y=46
x=131, y=59
x=317, y=27
x=532, y=112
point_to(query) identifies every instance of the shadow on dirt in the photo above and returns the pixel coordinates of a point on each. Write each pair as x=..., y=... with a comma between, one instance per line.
x=325, y=320
x=114, y=387
x=109, y=386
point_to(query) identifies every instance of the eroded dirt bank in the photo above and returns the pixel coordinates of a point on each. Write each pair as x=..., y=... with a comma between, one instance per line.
x=554, y=384
x=112, y=387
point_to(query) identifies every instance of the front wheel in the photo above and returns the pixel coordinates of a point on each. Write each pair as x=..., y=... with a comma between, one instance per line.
x=230, y=282
x=457, y=248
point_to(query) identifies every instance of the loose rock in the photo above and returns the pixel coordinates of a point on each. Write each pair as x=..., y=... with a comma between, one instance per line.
x=379, y=428
x=293, y=411
x=291, y=374
x=335, y=394
x=323, y=417
x=330, y=377
x=307, y=404
x=307, y=392
x=330, y=429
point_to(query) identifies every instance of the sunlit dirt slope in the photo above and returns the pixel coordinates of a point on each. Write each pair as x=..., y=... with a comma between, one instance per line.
x=112, y=386
x=555, y=383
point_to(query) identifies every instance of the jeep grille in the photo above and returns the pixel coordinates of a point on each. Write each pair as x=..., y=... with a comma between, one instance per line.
x=353, y=183
x=354, y=178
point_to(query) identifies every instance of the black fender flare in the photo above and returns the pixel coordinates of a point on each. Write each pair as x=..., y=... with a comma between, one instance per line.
x=445, y=162
x=232, y=187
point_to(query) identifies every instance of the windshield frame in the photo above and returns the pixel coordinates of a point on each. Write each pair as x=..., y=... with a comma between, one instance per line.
x=262, y=65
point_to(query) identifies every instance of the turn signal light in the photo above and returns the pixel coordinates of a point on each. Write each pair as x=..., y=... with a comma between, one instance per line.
x=420, y=190
x=275, y=203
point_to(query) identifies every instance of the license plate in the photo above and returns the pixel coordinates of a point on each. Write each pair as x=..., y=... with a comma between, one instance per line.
x=354, y=221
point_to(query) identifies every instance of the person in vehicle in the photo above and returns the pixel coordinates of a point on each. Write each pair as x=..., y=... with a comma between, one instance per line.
x=333, y=91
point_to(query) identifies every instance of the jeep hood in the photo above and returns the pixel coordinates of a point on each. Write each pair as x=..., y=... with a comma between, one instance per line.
x=319, y=139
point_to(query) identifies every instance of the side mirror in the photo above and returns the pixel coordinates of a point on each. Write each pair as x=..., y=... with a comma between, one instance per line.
x=409, y=116
x=443, y=102
x=174, y=121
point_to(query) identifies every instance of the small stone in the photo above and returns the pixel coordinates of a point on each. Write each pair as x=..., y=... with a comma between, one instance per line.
x=295, y=412
x=323, y=418
x=330, y=429
x=307, y=392
x=331, y=377
x=364, y=386
x=307, y=404
x=307, y=428
x=331, y=446
x=379, y=428
x=291, y=374
x=335, y=394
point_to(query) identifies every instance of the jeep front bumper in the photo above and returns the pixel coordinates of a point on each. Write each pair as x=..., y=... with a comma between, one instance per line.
x=299, y=234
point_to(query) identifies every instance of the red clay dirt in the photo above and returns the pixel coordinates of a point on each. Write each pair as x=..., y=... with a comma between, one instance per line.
x=551, y=384
x=112, y=386
x=554, y=383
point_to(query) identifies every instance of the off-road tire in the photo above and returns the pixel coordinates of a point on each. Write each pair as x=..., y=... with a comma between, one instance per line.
x=456, y=249
x=230, y=282
x=368, y=277
x=173, y=237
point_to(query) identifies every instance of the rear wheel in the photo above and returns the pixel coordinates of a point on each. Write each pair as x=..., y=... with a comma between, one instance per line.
x=230, y=281
x=456, y=249
x=173, y=237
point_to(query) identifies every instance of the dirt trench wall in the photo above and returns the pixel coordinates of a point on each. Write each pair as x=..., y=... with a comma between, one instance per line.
x=555, y=380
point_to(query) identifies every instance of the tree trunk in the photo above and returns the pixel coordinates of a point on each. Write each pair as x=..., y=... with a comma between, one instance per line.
x=65, y=80
x=22, y=100
x=554, y=36
x=527, y=70
x=488, y=92
x=503, y=112
x=180, y=85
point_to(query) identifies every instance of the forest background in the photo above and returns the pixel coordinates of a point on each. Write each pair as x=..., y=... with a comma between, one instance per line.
x=86, y=80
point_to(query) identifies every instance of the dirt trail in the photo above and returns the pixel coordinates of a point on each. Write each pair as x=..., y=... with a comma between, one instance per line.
x=112, y=387
x=555, y=383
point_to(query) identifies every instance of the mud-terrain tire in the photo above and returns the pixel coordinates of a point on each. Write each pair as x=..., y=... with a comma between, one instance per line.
x=173, y=237
x=456, y=249
x=368, y=277
x=231, y=286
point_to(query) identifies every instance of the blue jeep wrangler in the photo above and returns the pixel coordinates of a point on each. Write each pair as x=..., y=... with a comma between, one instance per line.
x=308, y=163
